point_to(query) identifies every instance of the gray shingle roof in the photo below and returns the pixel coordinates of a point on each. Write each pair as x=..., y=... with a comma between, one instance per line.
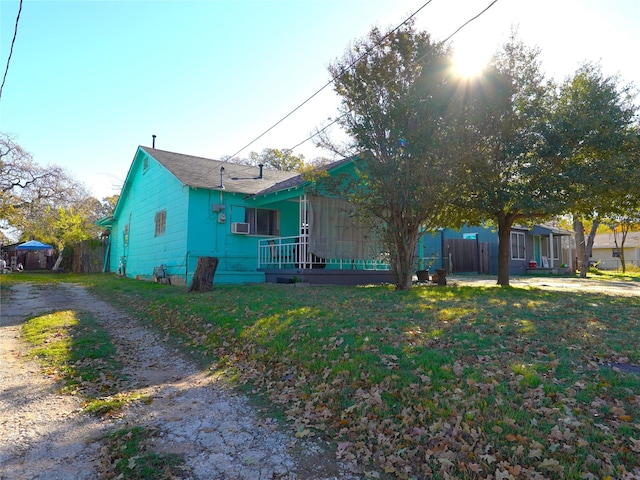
x=298, y=180
x=606, y=240
x=204, y=173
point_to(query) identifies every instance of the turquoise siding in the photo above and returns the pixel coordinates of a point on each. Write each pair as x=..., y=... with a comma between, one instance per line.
x=196, y=226
x=149, y=191
x=210, y=236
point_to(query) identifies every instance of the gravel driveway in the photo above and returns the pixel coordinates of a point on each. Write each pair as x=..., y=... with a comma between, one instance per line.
x=44, y=435
x=560, y=284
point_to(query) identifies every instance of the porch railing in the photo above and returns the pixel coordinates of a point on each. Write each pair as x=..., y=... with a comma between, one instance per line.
x=293, y=252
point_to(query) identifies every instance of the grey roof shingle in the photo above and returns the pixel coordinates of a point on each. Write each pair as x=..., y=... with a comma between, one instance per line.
x=204, y=173
x=607, y=240
x=298, y=180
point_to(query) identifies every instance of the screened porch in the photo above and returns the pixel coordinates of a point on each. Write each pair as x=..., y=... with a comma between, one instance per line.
x=333, y=246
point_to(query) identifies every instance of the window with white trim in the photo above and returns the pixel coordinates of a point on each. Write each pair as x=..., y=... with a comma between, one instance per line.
x=517, y=246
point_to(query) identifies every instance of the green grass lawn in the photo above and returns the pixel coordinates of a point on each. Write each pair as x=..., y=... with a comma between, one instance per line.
x=454, y=382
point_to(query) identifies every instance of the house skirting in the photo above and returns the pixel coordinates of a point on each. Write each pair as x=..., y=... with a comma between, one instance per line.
x=328, y=276
x=221, y=277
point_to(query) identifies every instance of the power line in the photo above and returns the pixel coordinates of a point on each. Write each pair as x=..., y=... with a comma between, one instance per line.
x=344, y=70
x=330, y=81
x=470, y=20
x=15, y=33
x=336, y=120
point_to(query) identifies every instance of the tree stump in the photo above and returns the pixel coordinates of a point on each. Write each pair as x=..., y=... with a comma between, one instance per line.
x=203, y=276
x=440, y=277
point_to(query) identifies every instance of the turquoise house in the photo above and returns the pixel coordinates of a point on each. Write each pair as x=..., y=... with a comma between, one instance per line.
x=260, y=224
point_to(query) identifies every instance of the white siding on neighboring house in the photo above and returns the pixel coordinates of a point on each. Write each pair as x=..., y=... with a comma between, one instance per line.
x=607, y=254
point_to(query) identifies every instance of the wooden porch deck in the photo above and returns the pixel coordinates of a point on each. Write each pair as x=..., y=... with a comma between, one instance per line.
x=288, y=260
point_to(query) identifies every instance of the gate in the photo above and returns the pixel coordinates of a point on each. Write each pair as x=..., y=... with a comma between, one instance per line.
x=462, y=255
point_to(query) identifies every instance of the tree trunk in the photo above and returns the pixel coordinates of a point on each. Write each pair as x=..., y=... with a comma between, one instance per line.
x=578, y=229
x=203, y=276
x=404, y=243
x=504, y=247
x=586, y=244
x=504, y=239
x=59, y=261
x=589, y=246
x=403, y=268
x=624, y=229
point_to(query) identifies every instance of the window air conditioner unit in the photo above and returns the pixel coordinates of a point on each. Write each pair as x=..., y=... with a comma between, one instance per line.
x=240, y=228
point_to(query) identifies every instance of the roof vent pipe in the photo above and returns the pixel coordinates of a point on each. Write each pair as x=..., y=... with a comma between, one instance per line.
x=221, y=185
x=153, y=141
x=260, y=165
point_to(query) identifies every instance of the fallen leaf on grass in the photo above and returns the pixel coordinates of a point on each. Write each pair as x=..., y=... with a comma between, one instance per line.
x=535, y=453
x=302, y=432
x=552, y=465
x=488, y=458
x=504, y=475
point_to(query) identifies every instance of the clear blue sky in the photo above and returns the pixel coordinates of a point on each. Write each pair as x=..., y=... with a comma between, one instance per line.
x=89, y=81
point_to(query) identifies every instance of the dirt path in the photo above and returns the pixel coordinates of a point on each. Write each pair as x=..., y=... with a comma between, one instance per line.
x=44, y=435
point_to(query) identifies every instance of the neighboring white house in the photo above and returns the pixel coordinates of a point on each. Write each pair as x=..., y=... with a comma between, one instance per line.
x=608, y=255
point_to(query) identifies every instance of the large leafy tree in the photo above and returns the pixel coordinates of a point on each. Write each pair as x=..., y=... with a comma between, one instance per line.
x=395, y=93
x=595, y=131
x=507, y=174
x=277, y=159
x=274, y=158
x=44, y=202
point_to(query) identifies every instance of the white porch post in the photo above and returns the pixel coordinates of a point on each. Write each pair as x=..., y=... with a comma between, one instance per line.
x=551, y=252
x=304, y=231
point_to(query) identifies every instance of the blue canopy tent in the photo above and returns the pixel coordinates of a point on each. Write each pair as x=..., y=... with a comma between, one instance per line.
x=35, y=255
x=34, y=245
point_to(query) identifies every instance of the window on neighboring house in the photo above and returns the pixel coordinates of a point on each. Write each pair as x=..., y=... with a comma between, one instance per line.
x=161, y=222
x=262, y=221
x=517, y=246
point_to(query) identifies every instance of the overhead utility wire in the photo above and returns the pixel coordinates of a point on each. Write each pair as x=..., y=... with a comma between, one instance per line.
x=15, y=33
x=330, y=81
x=422, y=57
x=352, y=64
x=467, y=22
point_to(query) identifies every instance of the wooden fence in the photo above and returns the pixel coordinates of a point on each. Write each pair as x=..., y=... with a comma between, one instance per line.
x=88, y=257
x=467, y=255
